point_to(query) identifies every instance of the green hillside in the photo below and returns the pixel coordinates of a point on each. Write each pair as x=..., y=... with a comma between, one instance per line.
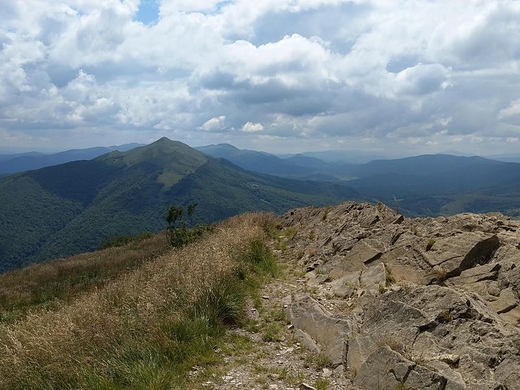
x=442, y=185
x=71, y=208
x=425, y=185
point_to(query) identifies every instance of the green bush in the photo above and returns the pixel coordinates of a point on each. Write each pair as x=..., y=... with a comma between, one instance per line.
x=118, y=241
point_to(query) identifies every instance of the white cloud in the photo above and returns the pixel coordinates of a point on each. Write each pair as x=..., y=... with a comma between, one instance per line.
x=168, y=7
x=422, y=79
x=250, y=127
x=215, y=124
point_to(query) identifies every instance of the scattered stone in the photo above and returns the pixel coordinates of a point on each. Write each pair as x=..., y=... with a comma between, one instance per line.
x=327, y=373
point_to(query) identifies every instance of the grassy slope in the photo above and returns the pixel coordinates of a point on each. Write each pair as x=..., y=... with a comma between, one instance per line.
x=140, y=329
x=56, y=282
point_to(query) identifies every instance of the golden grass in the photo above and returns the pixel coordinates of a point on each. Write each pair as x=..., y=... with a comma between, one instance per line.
x=45, y=284
x=126, y=333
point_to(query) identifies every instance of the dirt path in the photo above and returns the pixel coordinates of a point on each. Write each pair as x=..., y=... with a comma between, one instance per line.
x=266, y=355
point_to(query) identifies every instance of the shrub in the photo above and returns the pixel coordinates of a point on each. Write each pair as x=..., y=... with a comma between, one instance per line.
x=177, y=229
x=118, y=241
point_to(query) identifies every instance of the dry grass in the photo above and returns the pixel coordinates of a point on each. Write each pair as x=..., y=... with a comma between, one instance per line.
x=43, y=285
x=142, y=329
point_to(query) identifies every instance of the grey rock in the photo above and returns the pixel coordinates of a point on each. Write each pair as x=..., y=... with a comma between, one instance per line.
x=373, y=277
x=508, y=374
x=355, y=259
x=306, y=386
x=454, y=380
x=306, y=340
x=359, y=349
x=477, y=274
x=506, y=301
x=452, y=255
x=450, y=312
x=329, y=333
x=387, y=369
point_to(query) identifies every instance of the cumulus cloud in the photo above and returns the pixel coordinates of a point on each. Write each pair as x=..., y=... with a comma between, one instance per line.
x=422, y=79
x=250, y=127
x=215, y=124
x=278, y=74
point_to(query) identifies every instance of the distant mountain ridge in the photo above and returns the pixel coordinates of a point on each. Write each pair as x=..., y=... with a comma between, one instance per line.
x=300, y=166
x=425, y=185
x=420, y=185
x=20, y=162
x=70, y=208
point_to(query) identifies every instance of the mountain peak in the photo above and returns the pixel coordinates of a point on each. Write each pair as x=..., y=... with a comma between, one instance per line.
x=163, y=152
x=163, y=140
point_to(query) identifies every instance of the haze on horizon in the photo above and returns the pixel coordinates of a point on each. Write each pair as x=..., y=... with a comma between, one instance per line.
x=282, y=76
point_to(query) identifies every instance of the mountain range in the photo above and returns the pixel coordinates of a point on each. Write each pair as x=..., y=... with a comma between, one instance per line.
x=418, y=186
x=19, y=162
x=71, y=208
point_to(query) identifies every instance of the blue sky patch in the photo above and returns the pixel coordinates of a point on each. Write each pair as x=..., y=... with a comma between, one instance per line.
x=148, y=12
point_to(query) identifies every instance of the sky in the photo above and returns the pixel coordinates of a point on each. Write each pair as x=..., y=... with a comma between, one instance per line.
x=398, y=77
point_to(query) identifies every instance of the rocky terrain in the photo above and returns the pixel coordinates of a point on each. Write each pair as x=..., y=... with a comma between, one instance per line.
x=398, y=303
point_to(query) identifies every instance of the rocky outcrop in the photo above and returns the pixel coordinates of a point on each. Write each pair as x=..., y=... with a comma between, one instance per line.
x=428, y=303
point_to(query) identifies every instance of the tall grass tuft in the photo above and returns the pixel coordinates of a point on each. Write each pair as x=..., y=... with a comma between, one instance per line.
x=146, y=327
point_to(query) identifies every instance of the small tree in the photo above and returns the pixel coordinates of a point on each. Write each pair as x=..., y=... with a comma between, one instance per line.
x=179, y=234
x=191, y=209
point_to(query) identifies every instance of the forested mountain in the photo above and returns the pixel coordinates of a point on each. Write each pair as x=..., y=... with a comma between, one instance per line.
x=13, y=163
x=441, y=184
x=71, y=208
x=421, y=185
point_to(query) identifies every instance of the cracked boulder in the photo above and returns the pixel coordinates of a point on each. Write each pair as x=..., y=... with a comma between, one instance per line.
x=432, y=337
x=387, y=369
x=452, y=255
x=319, y=330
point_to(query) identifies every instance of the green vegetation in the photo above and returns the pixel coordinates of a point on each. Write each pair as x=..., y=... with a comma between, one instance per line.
x=390, y=278
x=322, y=384
x=143, y=328
x=114, y=242
x=73, y=208
x=178, y=233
